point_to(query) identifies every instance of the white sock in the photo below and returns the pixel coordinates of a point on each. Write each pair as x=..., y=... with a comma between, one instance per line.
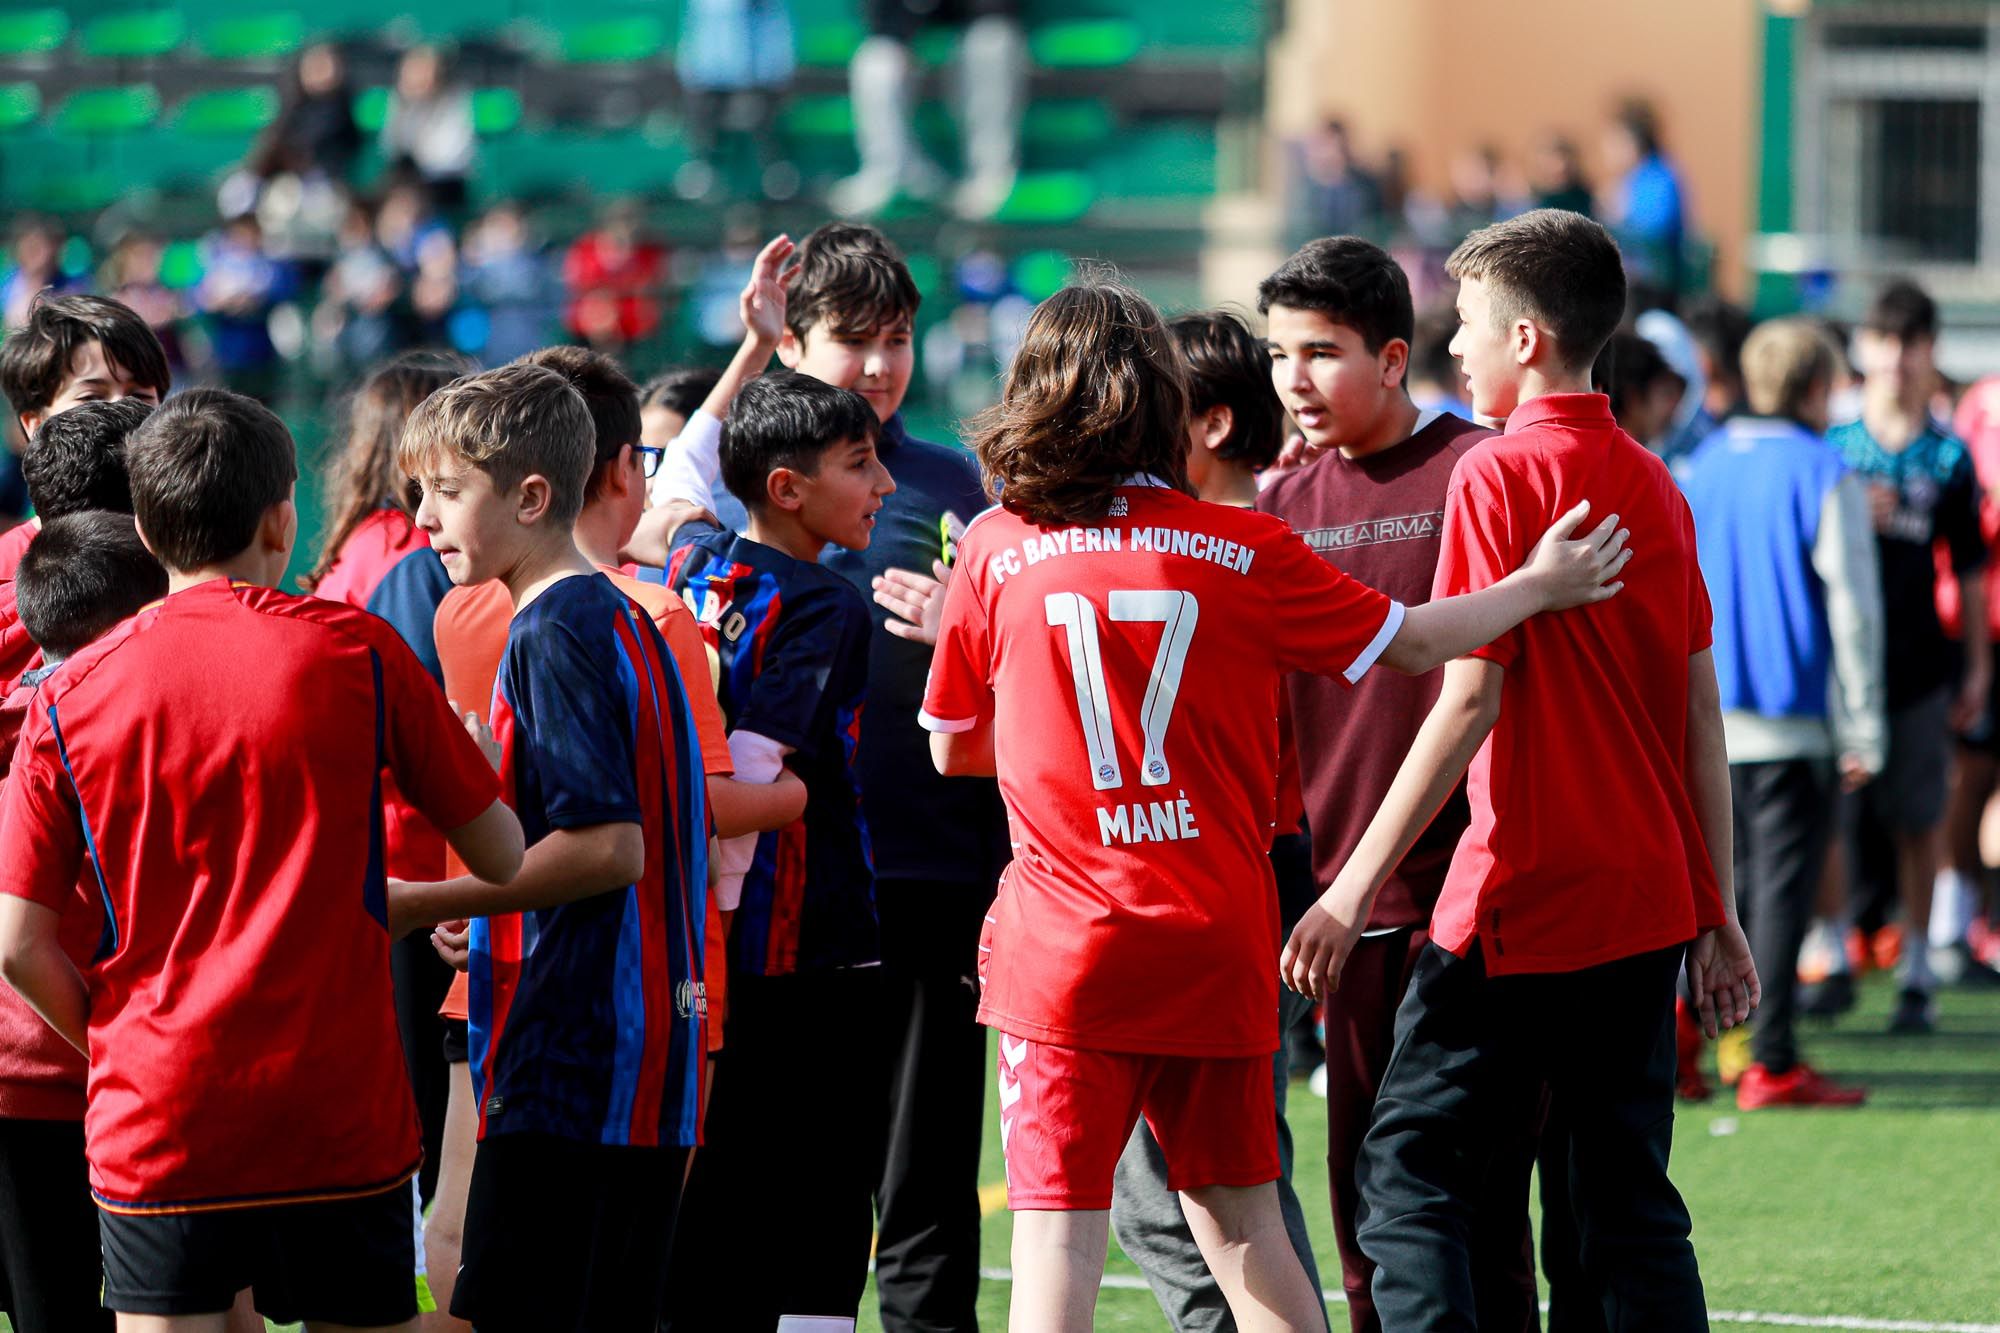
x=1954, y=901
x=1828, y=940
x=1915, y=973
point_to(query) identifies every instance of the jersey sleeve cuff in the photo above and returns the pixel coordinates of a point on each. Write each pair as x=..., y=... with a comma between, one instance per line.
x=1377, y=645
x=949, y=726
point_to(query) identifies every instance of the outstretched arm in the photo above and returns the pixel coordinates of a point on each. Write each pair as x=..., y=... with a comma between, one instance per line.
x=567, y=865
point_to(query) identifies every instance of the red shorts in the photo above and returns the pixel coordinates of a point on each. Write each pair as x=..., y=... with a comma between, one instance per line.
x=1065, y=1115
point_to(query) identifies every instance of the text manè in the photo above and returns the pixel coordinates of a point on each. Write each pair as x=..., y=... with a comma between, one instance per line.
x=1148, y=821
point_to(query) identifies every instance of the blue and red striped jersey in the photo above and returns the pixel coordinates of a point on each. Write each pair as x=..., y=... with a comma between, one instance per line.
x=793, y=642
x=588, y=1020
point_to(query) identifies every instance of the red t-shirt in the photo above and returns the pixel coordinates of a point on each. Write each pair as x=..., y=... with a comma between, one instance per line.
x=41, y=1075
x=1131, y=669
x=214, y=763
x=370, y=551
x=1379, y=519
x=14, y=544
x=1583, y=847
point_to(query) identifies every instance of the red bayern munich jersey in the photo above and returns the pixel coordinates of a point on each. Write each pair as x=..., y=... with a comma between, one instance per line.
x=1132, y=668
x=214, y=767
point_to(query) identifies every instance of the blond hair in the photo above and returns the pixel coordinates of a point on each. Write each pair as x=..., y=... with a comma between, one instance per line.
x=1783, y=359
x=516, y=422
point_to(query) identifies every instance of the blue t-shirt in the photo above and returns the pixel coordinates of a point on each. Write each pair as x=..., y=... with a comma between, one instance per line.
x=793, y=642
x=1936, y=502
x=408, y=597
x=588, y=1021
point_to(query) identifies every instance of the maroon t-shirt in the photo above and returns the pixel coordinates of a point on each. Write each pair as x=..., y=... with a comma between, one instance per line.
x=1379, y=519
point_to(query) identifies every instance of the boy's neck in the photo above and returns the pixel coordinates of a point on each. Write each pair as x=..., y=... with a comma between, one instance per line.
x=1539, y=382
x=542, y=567
x=1392, y=425
x=596, y=535
x=784, y=532
x=245, y=568
x=1230, y=484
x=1890, y=421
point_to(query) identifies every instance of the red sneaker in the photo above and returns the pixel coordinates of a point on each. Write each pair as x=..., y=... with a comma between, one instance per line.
x=1801, y=1085
x=1886, y=947
x=1689, y=1083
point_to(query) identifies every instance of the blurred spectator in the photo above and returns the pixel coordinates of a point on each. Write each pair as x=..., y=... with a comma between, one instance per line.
x=1719, y=328
x=1691, y=422
x=993, y=88
x=1555, y=174
x=616, y=278
x=734, y=61
x=361, y=314
x=1477, y=192
x=132, y=276
x=37, y=255
x=314, y=133
x=1331, y=193
x=507, y=296
x=240, y=287
x=1644, y=201
x=1437, y=382
x=1642, y=387
x=428, y=133
x=422, y=246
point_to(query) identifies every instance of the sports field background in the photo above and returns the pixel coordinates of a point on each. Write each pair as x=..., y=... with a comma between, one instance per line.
x=1883, y=1218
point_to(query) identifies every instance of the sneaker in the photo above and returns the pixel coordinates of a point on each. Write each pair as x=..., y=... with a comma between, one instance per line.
x=1914, y=1016
x=1829, y=998
x=1732, y=1056
x=1801, y=1085
x=1885, y=947
x=1689, y=1083
x=1957, y=965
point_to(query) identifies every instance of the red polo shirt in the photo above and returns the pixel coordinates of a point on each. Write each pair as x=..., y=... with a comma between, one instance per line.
x=1583, y=846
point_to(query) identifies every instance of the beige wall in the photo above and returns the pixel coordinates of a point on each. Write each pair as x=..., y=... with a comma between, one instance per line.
x=1437, y=75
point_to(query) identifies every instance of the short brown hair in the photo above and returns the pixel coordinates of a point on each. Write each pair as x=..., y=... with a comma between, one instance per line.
x=1782, y=360
x=609, y=393
x=1097, y=392
x=82, y=574
x=34, y=361
x=512, y=423
x=205, y=467
x=851, y=279
x=1556, y=267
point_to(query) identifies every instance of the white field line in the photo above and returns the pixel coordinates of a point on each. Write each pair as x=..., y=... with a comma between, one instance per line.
x=1126, y=1282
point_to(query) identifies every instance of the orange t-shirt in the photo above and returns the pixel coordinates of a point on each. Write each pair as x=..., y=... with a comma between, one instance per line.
x=471, y=628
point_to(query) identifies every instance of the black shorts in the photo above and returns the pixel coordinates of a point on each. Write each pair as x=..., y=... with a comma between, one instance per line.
x=49, y=1271
x=349, y=1261
x=457, y=1041
x=567, y=1237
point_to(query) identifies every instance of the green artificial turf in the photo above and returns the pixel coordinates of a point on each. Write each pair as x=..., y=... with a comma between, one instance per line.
x=1891, y=1212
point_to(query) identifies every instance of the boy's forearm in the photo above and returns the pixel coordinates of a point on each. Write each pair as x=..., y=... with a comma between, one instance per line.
x=1708, y=776
x=565, y=866
x=1438, y=632
x=752, y=355
x=1451, y=735
x=964, y=754
x=754, y=807
x=34, y=964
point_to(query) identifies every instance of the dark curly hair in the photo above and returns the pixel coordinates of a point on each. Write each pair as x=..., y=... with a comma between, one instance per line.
x=1097, y=393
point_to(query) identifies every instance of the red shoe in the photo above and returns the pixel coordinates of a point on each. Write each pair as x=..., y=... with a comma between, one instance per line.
x=1859, y=958
x=1887, y=947
x=1801, y=1085
x=1689, y=1083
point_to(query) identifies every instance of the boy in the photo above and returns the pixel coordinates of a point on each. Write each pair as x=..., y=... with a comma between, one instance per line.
x=587, y=1011
x=75, y=349
x=1140, y=864
x=1786, y=547
x=81, y=575
x=1548, y=914
x=242, y=1131
x=1372, y=505
x=1235, y=428
x=847, y=307
x=1925, y=500
x=803, y=941
x=75, y=462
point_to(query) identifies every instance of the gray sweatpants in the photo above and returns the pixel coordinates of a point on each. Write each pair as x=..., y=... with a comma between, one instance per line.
x=1149, y=1223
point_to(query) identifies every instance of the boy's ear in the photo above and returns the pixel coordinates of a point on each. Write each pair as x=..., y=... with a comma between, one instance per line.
x=1216, y=424
x=1395, y=363
x=1531, y=342
x=31, y=422
x=535, y=495
x=785, y=489
x=791, y=349
x=278, y=530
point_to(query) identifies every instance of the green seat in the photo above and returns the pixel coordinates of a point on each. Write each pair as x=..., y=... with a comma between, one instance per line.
x=371, y=109
x=32, y=32
x=828, y=44
x=141, y=34
x=1082, y=122
x=230, y=112
x=1085, y=44
x=1159, y=159
x=180, y=265
x=107, y=111
x=495, y=111
x=1047, y=198
x=614, y=41
x=818, y=116
x=252, y=37
x=20, y=104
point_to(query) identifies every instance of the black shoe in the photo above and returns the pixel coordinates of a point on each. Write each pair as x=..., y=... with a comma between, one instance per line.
x=1829, y=998
x=1913, y=1016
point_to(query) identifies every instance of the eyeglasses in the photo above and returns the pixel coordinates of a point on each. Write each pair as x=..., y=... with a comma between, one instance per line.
x=650, y=459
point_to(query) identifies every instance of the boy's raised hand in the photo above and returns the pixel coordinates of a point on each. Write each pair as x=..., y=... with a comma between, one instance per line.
x=1313, y=957
x=1578, y=571
x=762, y=305
x=1722, y=979
x=915, y=602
